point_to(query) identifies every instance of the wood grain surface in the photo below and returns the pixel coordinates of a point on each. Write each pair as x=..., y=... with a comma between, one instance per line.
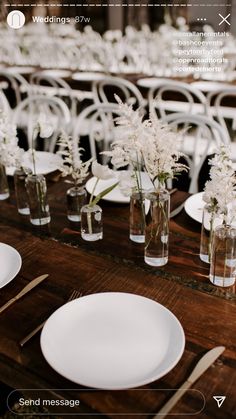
x=207, y=313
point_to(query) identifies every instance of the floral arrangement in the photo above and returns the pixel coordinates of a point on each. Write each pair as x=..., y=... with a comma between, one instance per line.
x=220, y=190
x=10, y=153
x=147, y=144
x=102, y=172
x=72, y=164
x=44, y=128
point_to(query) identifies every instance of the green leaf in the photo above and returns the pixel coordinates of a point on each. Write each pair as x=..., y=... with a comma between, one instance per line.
x=103, y=193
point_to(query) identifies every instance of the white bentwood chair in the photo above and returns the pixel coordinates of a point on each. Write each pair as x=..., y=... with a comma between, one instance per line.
x=101, y=126
x=207, y=134
x=4, y=104
x=16, y=82
x=56, y=111
x=222, y=107
x=125, y=89
x=169, y=96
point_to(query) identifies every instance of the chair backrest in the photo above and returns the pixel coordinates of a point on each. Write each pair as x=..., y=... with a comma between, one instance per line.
x=179, y=95
x=41, y=82
x=4, y=104
x=56, y=111
x=16, y=82
x=103, y=91
x=207, y=135
x=101, y=124
x=221, y=105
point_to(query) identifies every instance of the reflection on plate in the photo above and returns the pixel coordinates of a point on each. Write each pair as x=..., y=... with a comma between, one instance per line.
x=10, y=263
x=115, y=195
x=57, y=73
x=112, y=340
x=88, y=76
x=45, y=163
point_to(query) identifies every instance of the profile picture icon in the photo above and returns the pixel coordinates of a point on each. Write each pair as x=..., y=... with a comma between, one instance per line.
x=15, y=19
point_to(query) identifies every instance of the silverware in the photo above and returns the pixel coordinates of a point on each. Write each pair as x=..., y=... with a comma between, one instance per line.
x=172, y=191
x=75, y=294
x=25, y=290
x=205, y=362
x=177, y=210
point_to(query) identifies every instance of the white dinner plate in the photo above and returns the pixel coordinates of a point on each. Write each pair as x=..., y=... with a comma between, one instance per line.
x=112, y=341
x=194, y=208
x=88, y=76
x=63, y=74
x=21, y=70
x=10, y=263
x=115, y=195
x=45, y=163
x=150, y=82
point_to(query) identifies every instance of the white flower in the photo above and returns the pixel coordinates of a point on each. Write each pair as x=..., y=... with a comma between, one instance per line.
x=219, y=191
x=126, y=182
x=146, y=143
x=72, y=164
x=10, y=153
x=44, y=126
x=101, y=172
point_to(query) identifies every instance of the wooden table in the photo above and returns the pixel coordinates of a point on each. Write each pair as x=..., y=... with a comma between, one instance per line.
x=207, y=313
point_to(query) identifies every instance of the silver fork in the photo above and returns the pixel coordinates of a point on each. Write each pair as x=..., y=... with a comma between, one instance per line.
x=75, y=294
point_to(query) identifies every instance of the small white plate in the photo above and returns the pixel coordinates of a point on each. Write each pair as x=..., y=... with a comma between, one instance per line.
x=115, y=195
x=88, y=76
x=45, y=163
x=112, y=340
x=63, y=74
x=10, y=262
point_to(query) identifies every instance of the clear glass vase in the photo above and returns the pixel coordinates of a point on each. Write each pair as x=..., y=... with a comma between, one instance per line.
x=76, y=199
x=223, y=259
x=157, y=228
x=91, y=223
x=37, y=199
x=137, y=217
x=4, y=189
x=209, y=222
x=20, y=175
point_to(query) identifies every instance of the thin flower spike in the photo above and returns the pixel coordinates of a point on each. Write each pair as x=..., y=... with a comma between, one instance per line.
x=72, y=164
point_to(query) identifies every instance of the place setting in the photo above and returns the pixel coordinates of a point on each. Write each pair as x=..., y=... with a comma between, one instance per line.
x=118, y=210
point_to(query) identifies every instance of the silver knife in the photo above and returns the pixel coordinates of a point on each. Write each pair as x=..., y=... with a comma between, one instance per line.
x=205, y=362
x=26, y=289
x=177, y=210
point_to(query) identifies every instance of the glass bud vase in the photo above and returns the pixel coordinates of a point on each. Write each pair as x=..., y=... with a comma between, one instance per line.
x=223, y=259
x=37, y=199
x=20, y=190
x=76, y=198
x=209, y=222
x=157, y=228
x=137, y=217
x=4, y=189
x=91, y=223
